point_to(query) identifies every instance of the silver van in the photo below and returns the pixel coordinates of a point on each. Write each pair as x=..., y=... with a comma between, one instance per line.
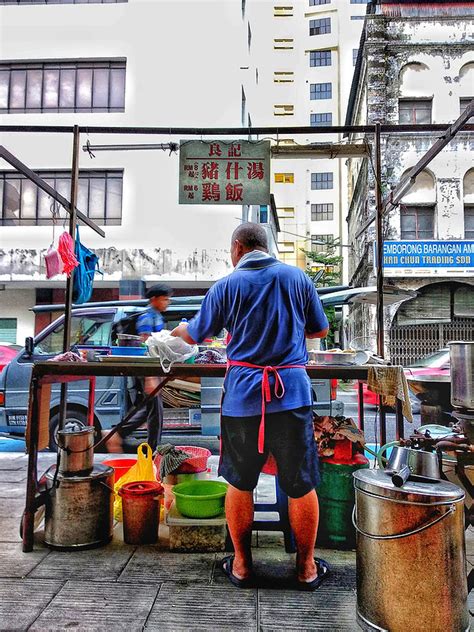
x=92, y=328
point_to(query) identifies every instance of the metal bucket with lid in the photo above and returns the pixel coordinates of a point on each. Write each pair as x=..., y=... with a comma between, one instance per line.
x=76, y=444
x=411, y=559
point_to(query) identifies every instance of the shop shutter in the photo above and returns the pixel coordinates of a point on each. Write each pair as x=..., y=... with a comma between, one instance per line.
x=8, y=328
x=432, y=306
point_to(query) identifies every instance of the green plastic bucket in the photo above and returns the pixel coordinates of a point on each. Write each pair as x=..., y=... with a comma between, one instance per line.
x=336, y=501
x=200, y=499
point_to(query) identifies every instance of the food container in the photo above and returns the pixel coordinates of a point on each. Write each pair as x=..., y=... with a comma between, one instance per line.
x=171, y=480
x=193, y=535
x=200, y=499
x=332, y=357
x=128, y=351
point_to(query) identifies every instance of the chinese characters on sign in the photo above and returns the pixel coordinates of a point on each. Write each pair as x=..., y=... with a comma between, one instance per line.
x=221, y=172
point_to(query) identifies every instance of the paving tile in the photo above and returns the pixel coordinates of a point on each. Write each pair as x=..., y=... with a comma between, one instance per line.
x=12, y=463
x=14, y=476
x=22, y=601
x=104, y=564
x=12, y=506
x=10, y=490
x=330, y=608
x=152, y=564
x=14, y=563
x=10, y=529
x=204, y=608
x=106, y=607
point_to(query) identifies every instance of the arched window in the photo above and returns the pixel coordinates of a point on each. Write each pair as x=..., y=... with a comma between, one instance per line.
x=466, y=87
x=468, y=188
x=417, y=209
x=416, y=94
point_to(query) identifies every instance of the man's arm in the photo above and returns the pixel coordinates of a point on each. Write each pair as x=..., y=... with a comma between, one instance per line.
x=181, y=331
x=316, y=325
x=209, y=321
x=319, y=334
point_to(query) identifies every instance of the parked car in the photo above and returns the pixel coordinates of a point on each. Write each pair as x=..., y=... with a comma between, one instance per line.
x=7, y=352
x=436, y=363
x=91, y=327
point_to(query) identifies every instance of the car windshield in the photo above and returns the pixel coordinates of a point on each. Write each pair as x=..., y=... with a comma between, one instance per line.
x=434, y=360
x=86, y=329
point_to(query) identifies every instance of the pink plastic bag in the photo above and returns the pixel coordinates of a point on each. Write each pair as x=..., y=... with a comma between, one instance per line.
x=53, y=262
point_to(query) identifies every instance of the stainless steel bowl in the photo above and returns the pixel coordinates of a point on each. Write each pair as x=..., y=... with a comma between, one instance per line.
x=419, y=462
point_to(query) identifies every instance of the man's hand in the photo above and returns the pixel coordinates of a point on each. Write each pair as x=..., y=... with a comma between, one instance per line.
x=181, y=331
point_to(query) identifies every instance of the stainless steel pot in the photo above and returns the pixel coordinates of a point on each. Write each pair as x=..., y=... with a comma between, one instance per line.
x=419, y=462
x=76, y=445
x=411, y=572
x=79, y=509
x=462, y=374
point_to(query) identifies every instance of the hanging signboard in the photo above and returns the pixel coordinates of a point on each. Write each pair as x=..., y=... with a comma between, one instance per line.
x=224, y=172
x=426, y=258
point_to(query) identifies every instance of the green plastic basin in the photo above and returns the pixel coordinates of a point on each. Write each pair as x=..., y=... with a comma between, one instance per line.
x=200, y=499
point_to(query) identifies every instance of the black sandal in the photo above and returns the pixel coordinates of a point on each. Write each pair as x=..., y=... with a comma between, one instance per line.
x=227, y=566
x=323, y=573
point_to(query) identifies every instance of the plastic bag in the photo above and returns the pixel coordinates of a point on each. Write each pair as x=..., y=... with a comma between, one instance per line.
x=169, y=349
x=53, y=263
x=143, y=470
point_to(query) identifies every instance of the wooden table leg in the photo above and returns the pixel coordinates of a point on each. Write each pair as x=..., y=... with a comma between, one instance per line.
x=31, y=482
x=360, y=404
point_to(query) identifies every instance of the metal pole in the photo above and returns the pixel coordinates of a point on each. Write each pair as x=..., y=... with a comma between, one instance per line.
x=69, y=284
x=379, y=258
x=379, y=241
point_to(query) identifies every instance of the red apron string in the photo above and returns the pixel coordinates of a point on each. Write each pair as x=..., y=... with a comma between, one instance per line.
x=279, y=390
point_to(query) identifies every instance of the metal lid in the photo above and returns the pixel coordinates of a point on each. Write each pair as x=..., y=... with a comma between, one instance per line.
x=98, y=471
x=378, y=483
x=74, y=428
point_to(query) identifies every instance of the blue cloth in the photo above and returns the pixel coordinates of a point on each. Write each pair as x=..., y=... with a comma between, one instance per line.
x=150, y=322
x=267, y=306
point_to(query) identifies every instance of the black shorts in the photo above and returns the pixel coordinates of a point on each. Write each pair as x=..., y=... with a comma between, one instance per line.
x=289, y=436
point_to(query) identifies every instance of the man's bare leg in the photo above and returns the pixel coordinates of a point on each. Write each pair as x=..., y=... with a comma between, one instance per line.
x=304, y=519
x=239, y=514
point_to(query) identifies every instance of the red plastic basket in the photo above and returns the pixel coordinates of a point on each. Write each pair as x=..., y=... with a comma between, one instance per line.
x=197, y=461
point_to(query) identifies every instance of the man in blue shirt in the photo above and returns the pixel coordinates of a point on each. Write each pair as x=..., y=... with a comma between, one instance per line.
x=269, y=309
x=149, y=322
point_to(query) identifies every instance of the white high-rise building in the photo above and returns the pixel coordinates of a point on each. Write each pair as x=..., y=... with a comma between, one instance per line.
x=303, y=54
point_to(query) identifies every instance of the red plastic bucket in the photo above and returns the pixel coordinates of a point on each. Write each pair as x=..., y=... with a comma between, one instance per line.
x=120, y=466
x=141, y=503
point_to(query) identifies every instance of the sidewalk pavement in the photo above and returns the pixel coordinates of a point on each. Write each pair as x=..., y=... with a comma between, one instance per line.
x=123, y=587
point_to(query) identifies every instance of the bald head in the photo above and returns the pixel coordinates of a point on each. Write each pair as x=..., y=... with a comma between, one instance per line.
x=245, y=238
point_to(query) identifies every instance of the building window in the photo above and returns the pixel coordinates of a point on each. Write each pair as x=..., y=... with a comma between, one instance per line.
x=283, y=12
x=286, y=212
x=469, y=221
x=360, y=1
x=355, y=53
x=414, y=111
x=357, y=17
x=284, y=110
x=22, y=203
x=283, y=44
x=19, y=2
x=320, y=27
x=326, y=239
x=320, y=58
x=322, y=180
x=62, y=86
x=322, y=212
x=283, y=77
x=321, y=119
x=285, y=178
x=463, y=103
x=286, y=246
x=417, y=222
x=320, y=91
x=8, y=327
x=263, y=215
x=314, y=3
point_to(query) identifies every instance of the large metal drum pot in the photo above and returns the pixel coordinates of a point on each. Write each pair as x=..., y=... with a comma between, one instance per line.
x=76, y=446
x=411, y=559
x=461, y=356
x=79, y=509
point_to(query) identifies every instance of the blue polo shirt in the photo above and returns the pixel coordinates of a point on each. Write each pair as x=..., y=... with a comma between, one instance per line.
x=150, y=322
x=267, y=306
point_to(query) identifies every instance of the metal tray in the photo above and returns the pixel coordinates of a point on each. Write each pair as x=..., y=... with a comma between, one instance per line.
x=325, y=358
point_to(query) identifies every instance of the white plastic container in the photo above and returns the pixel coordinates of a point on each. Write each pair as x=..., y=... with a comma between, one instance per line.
x=193, y=535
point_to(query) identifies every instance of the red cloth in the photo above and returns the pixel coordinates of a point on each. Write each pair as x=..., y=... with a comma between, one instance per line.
x=279, y=390
x=66, y=252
